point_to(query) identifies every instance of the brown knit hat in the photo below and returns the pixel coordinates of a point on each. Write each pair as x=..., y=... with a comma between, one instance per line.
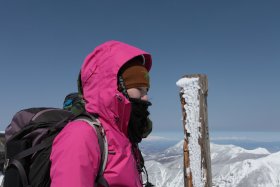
x=134, y=74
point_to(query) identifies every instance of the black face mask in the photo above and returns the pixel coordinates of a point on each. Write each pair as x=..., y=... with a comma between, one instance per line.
x=140, y=126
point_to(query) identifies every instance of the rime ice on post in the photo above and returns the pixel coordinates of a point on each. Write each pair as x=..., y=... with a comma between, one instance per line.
x=197, y=162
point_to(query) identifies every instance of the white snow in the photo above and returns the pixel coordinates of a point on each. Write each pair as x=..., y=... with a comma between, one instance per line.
x=233, y=151
x=190, y=89
x=232, y=166
x=248, y=168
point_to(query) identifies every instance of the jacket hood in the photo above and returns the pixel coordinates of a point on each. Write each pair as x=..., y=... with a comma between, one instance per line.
x=100, y=83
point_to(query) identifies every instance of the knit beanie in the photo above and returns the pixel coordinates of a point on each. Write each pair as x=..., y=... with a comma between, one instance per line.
x=134, y=74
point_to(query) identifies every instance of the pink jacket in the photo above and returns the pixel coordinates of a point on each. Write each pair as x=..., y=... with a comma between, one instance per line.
x=75, y=155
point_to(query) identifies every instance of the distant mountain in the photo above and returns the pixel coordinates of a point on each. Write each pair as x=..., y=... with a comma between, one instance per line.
x=244, y=168
x=232, y=166
x=166, y=168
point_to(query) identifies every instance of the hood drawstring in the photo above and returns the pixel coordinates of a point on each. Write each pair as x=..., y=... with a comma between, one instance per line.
x=140, y=164
x=147, y=184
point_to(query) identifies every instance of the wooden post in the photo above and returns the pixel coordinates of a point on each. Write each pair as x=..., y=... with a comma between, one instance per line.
x=197, y=160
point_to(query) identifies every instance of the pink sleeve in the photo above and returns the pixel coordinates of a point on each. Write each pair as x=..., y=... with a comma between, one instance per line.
x=75, y=156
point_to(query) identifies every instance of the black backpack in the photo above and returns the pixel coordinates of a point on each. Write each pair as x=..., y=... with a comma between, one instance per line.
x=28, y=145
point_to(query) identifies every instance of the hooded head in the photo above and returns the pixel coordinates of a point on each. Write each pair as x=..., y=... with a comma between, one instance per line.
x=99, y=80
x=133, y=74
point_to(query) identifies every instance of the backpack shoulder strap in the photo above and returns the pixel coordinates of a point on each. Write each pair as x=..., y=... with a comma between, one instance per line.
x=103, y=145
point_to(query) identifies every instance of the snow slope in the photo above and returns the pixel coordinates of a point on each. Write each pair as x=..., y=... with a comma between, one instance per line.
x=232, y=166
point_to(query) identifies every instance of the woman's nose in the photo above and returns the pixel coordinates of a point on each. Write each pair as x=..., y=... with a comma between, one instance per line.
x=145, y=98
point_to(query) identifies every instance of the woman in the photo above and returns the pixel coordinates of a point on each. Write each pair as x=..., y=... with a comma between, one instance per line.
x=114, y=84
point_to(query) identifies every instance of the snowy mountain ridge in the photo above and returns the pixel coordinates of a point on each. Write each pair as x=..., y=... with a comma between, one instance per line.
x=232, y=166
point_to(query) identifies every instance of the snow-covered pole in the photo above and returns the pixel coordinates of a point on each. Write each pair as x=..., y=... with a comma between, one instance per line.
x=197, y=162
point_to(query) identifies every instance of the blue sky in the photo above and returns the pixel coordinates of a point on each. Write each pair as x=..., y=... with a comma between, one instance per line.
x=235, y=43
